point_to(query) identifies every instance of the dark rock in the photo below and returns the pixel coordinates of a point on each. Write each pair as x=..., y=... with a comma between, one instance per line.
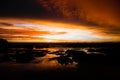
x=24, y=57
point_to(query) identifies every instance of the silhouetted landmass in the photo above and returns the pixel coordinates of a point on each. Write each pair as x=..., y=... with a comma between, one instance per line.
x=41, y=45
x=4, y=50
x=3, y=46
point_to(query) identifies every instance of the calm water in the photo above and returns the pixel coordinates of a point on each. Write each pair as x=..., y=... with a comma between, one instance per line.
x=49, y=61
x=49, y=67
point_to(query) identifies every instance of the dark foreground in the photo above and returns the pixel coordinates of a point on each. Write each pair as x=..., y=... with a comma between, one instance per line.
x=37, y=62
x=94, y=72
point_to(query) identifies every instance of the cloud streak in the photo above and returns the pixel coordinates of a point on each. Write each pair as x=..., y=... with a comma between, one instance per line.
x=49, y=31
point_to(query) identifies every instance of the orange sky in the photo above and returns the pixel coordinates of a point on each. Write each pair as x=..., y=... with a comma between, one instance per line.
x=60, y=21
x=29, y=30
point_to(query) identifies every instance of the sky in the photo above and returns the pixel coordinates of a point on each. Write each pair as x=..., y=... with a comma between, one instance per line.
x=60, y=20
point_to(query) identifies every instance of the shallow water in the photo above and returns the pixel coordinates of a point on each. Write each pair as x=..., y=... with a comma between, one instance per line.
x=49, y=66
x=49, y=61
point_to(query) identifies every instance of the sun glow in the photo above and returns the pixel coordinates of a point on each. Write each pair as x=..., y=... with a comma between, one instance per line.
x=49, y=40
x=48, y=31
x=73, y=35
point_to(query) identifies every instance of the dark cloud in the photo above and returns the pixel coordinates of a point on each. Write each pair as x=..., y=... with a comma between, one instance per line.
x=100, y=12
x=5, y=24
x=20, y=8
x=97, y=15
x=82, y=11
x=106, y=31
x=14, y=36
x=28, y=32
x=23, y=32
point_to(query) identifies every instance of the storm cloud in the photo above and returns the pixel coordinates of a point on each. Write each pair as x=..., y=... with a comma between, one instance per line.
x=99, y=16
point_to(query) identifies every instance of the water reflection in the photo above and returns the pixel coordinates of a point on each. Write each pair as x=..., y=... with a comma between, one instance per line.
x=58, y=57
x=41, y=58
x=59, y=63
x=52, y=61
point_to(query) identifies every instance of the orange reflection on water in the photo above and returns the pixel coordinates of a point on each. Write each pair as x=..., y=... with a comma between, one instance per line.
x=49, y=62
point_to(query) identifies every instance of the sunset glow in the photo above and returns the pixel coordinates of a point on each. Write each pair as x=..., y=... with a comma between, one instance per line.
x=60, y=21
x=48, y=31
x=59, y=39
